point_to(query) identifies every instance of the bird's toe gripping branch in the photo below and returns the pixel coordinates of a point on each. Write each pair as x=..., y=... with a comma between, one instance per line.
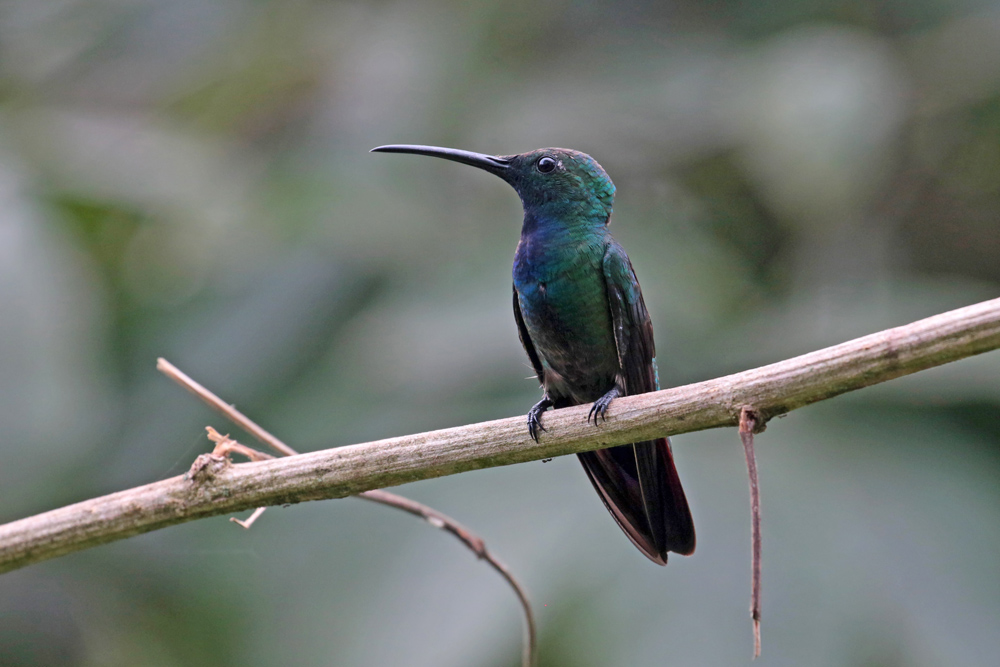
x=535, y=416
x=599, y=410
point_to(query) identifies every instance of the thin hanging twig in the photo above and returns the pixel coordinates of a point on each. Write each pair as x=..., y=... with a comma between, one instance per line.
x=749, y=425
x=476, y=544
x=429, y=514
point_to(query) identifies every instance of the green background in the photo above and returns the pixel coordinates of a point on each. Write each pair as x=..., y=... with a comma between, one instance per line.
x=191, y=180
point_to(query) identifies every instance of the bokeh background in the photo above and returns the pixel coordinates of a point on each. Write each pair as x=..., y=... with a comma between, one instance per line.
x=191, y=179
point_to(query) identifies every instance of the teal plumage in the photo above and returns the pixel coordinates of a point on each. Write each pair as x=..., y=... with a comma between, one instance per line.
x=583, y=323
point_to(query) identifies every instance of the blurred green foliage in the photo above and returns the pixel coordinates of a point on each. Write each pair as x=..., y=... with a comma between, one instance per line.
x=191, y=180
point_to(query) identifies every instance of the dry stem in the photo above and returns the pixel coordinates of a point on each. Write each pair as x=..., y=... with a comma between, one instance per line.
x=749, y=425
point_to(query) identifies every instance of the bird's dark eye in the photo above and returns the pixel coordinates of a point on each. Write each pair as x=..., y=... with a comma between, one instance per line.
x=545, y=165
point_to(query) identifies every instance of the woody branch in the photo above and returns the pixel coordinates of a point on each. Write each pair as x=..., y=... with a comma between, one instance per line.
x=223, y=488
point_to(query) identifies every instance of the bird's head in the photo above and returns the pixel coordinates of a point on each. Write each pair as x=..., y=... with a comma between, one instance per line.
x=552, y=182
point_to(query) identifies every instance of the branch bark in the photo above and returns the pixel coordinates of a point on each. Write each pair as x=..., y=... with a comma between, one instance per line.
x=775, y=389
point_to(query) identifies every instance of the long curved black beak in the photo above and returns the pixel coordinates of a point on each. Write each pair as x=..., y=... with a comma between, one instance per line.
x=491, y=163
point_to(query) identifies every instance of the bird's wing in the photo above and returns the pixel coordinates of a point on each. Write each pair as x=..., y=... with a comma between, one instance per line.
x=633, y=329
x=529, y=347
x=666, y=508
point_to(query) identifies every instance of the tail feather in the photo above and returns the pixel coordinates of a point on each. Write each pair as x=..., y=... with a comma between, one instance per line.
x=640, y=487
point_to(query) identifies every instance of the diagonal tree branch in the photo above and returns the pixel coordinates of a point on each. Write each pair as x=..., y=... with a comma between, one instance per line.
x=222, y=488
x=437, y=519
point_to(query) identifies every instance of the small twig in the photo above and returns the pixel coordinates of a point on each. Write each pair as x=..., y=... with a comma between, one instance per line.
x=225, y=445
x=749, y=424
x=228, y=411
x=249, y=522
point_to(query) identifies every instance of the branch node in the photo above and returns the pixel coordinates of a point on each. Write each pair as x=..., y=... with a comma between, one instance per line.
x=206, y=466
x=224, y=446
x=753, y=420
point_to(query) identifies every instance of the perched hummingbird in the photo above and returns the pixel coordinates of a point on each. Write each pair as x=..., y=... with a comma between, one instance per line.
x=583, y=323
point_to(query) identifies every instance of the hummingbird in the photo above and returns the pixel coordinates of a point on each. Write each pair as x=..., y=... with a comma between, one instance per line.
x=582, y=322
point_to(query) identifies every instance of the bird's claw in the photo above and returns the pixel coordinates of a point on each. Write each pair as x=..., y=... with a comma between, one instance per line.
x=535, y=424
x=599, y=410
x=535, y=417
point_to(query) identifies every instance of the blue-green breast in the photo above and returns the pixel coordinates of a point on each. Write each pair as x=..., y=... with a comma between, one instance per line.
x=559, y=278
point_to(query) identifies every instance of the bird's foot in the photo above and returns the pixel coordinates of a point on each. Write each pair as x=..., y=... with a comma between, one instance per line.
x=535, y=416
x=600, y=407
